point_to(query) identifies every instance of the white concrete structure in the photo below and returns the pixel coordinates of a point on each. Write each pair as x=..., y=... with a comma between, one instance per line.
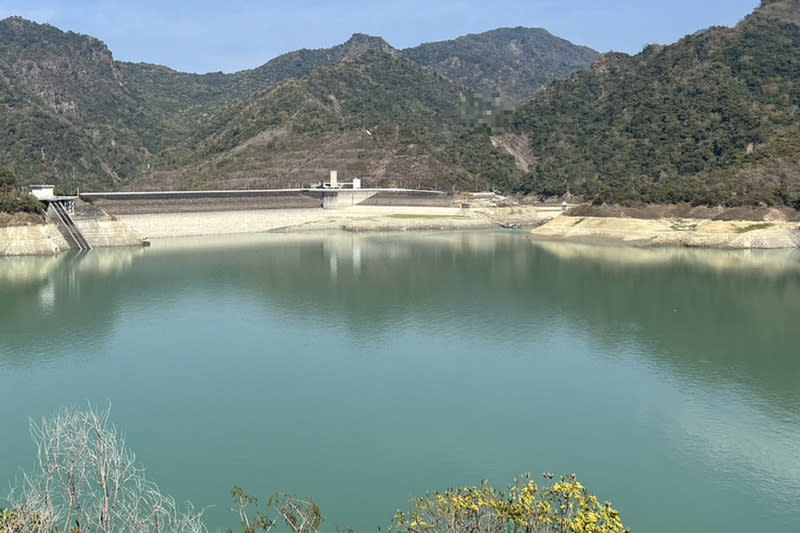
x=356, y=183
x=46, y=194
x=334, y=179
x=344, y=198
x=43, y=192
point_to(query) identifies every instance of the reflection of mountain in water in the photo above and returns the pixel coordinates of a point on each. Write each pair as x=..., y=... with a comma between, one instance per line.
x=28, y=269
x=760, y=261
x=49, y=302
x=725, y=315
x=696, y=310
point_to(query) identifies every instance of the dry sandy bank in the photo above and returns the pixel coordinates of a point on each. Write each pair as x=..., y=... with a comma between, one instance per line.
x=131, y=229
x=358, y=218
x=690, y=232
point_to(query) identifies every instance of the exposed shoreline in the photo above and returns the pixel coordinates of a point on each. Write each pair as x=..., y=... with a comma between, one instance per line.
x=547, y=224
x=359, y=218
x=45, y=239
x=683, y=232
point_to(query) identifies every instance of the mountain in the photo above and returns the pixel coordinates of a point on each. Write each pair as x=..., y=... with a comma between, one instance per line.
x=712, y=119
x=303, y=62
x=375, y=115
x=513, y=63
x=66, y=111
x=74, y=116
x=190, y=97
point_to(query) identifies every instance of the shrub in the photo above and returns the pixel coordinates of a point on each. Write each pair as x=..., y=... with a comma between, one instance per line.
x=20, y=203
x=85, y=479
x=565, y=507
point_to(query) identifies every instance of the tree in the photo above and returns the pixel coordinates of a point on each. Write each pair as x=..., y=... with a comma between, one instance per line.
x=565, y=507
x=299, y=515
x=85, y=479
x=7, y=180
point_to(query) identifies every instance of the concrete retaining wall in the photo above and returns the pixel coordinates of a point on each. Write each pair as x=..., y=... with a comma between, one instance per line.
x=340, y=198
x=43, y=239
x=410, y=198
x=46, y=239
x=104, y=233
x=141, y=204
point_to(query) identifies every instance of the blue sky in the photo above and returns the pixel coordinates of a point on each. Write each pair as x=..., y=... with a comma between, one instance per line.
x=231, y=35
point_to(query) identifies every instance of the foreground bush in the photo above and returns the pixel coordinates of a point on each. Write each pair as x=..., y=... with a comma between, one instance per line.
x=564, y=507
x=20, y=203
x=13, y=199
x=86, y=480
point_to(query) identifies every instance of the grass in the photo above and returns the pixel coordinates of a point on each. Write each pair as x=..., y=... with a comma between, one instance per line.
x=425, y=216
x=20, y=219
x=680, y=224
x=754, y=227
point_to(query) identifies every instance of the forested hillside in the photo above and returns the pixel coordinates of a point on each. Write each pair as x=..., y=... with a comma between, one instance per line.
x=377, y=115
x=712, y=119
x=189, y=98
x=512, y=64
x=66, y=111
x=73, y=116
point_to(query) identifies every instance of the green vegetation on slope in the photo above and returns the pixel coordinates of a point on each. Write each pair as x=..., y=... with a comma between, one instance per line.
x=377, y=115
x=72, y=116
x=712, y=119
x=376, y=91
x=185, y=100
x=66, y=112
x=13, y=199
x=511, y=63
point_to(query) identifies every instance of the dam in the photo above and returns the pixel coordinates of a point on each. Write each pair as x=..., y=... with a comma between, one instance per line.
x=141, y=202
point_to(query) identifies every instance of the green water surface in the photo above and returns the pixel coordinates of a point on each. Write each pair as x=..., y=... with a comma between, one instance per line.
x=366, y=370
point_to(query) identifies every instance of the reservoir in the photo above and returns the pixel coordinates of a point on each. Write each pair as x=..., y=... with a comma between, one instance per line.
x=366, y=369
